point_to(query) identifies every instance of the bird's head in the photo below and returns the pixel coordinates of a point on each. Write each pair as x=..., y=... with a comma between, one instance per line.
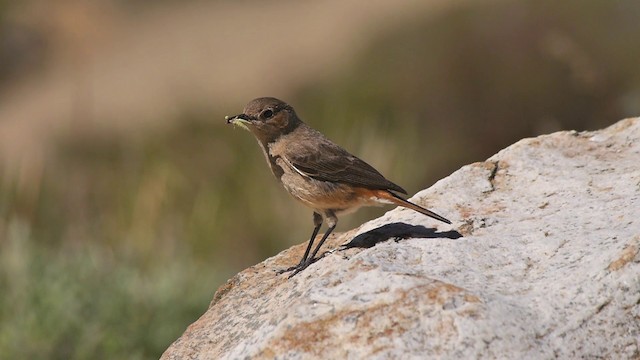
x=267, y=118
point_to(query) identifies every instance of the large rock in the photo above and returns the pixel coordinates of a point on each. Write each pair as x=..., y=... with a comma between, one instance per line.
x=548, y=266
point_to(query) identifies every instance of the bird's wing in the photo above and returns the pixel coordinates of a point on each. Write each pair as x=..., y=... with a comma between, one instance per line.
x=329, y=162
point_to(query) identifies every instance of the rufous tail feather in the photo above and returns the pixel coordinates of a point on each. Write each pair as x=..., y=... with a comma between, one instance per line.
x=387, y=195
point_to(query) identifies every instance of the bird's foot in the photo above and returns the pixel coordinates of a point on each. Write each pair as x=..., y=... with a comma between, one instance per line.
x=299, y=268
x=296, y=269
x=282, y=271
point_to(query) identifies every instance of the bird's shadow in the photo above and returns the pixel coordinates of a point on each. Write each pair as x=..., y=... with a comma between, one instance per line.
x=398, y=231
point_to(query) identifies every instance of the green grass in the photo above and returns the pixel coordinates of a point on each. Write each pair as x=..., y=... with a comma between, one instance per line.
x=89, y=301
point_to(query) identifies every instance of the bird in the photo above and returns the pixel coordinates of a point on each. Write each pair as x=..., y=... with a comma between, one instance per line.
x=316, y=171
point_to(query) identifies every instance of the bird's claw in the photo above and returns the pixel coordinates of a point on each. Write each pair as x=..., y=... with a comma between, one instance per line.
x=295, y=269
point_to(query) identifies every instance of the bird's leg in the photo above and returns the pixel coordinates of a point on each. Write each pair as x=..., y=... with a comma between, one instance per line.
x=317, y=221
x=332, y=221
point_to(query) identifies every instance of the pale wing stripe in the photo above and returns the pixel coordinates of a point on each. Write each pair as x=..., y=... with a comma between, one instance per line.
x=294, y=168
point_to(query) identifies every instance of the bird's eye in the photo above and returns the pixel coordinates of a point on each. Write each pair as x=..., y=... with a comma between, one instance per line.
x=267, y=114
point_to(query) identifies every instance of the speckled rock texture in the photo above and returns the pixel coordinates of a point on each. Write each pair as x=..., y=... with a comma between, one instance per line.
x=543, y=261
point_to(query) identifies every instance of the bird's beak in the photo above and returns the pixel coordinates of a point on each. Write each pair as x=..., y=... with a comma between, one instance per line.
x=240, y=120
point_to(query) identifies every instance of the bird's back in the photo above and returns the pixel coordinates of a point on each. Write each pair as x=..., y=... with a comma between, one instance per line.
x=315, y=156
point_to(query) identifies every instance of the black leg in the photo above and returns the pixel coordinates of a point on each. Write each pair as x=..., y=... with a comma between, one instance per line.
x=332, y=220
x=324, y=238
x=317, y=220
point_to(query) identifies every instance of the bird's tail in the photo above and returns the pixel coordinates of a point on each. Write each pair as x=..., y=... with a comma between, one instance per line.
x=387, y=195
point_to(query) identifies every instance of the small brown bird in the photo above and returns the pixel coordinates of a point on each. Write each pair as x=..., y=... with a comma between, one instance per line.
x=314, y=170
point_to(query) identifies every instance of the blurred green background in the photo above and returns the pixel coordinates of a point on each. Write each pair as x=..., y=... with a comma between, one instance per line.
x=125, y=201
